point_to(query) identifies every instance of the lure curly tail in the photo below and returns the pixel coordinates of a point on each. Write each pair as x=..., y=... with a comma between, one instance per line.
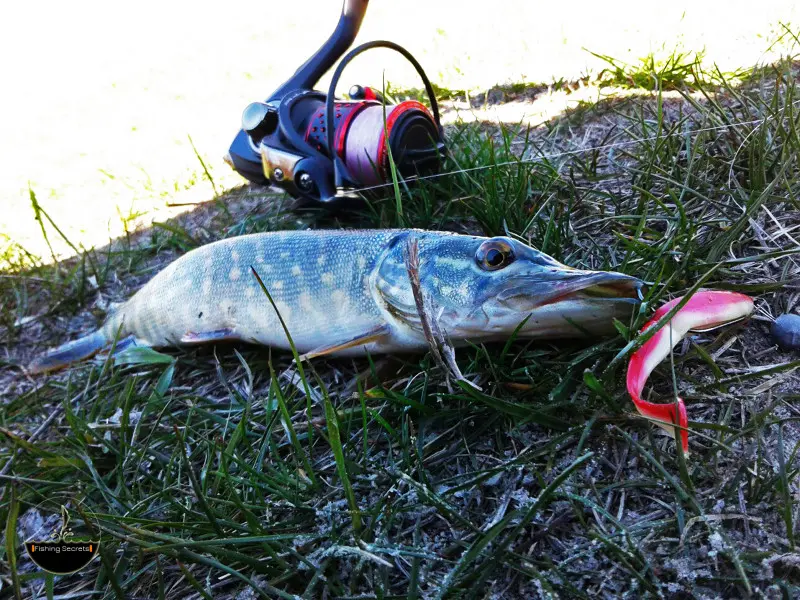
x=705, y=310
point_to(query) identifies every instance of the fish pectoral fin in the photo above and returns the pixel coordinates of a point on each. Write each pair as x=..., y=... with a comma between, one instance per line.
x=373, y=335
x=203, y=337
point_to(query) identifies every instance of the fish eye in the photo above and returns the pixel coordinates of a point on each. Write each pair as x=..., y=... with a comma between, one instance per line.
x=494, y=254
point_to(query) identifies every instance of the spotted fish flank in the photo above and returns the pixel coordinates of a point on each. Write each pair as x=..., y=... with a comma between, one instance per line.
x=348, y=292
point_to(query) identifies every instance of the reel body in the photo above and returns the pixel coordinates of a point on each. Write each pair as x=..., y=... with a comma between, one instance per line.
x=326, y=150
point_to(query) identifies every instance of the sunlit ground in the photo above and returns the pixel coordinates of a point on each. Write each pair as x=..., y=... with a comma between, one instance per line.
x=99, y=98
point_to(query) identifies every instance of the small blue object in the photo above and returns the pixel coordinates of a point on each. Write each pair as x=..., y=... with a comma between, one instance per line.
x=785, y=332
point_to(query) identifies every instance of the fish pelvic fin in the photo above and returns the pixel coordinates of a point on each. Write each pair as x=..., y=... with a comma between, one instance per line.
x=373, y=335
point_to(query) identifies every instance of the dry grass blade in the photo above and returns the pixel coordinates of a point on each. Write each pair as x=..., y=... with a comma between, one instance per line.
x=441, y=348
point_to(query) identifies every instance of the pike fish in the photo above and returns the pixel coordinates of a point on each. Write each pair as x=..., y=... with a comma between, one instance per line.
x=347, y=292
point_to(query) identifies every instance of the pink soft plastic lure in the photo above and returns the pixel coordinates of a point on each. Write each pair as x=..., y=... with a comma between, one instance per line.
x=705, y=310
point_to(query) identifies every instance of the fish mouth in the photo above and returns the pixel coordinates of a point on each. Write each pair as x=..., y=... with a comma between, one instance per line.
x=572, y=285
x=610, y=285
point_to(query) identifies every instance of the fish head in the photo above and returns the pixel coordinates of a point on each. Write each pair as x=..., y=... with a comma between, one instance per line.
x=484, y=289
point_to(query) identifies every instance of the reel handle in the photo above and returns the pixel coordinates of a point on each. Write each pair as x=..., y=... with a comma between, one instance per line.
x=322, y=60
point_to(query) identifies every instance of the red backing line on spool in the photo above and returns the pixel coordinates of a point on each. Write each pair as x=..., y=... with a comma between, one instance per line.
x=391, y=119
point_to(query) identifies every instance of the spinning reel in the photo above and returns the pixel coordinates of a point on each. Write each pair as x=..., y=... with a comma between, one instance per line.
x=323, y=149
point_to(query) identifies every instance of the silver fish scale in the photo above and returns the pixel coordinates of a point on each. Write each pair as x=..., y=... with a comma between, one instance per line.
x=318, y=280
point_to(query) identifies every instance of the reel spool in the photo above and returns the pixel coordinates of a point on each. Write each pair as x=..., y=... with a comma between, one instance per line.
x=323, y=149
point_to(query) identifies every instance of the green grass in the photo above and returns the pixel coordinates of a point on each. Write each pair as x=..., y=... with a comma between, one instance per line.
x=676, y=71
x=227, y=469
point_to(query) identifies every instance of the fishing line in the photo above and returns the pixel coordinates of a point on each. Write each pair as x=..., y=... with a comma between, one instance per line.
x=608, y=146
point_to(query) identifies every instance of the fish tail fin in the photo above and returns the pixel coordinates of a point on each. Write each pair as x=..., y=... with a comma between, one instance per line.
x=71, y=352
